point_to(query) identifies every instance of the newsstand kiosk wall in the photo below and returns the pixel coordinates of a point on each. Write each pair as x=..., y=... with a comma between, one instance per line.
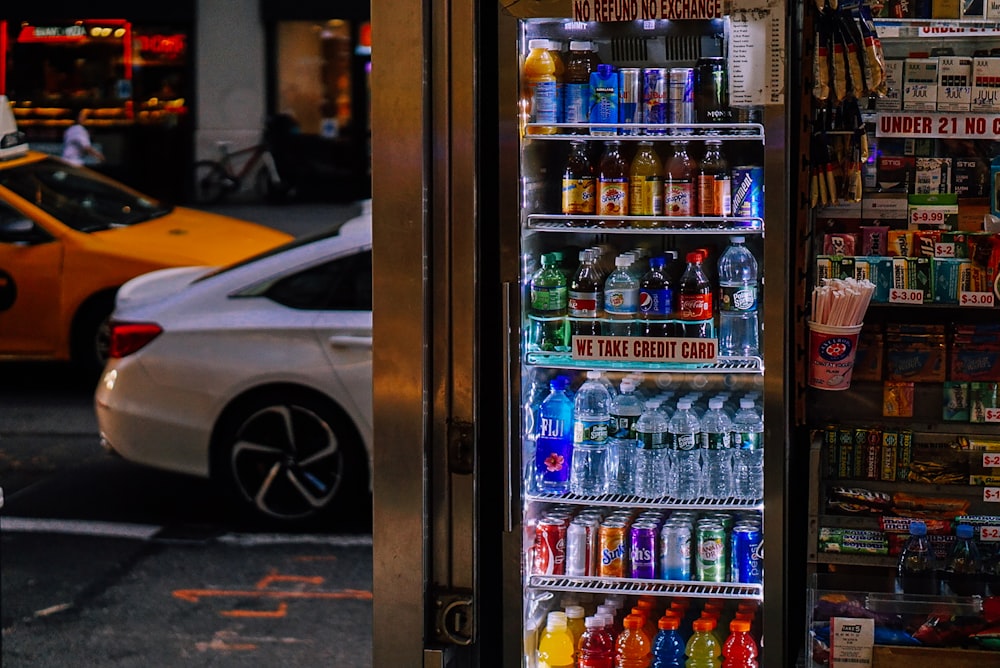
x=463, y=207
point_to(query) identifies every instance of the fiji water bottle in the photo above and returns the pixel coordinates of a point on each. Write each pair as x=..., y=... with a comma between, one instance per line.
x=554, y=439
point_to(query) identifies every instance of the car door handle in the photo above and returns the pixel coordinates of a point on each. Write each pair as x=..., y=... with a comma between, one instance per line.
x=348, y=341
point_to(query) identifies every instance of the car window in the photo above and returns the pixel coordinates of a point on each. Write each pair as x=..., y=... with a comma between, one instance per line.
x=78, y=197
x=344, y=284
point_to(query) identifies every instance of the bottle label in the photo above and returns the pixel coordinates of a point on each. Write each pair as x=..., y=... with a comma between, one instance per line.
x=738, y=298
x=622, y=427
x=577, y=102
x=578, y=196
x=694, y=307
x=583, y=304
x=550, y=427
x=621, y=302
x=613, y=197
x=678, y=198
x=748, y=440
x=686, y=441
x=590, y=432
x=655, y=302
x=714, y=440
x=714, y=197
x=646, y=196
x=548, y=300
x=543, y=102
x=651, y=440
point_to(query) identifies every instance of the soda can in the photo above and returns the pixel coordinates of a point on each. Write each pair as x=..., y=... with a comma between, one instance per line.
x=581, y=545
x=747, y=552
x=681, y=95
x=550, y=547
x=642, y=550
x=726, y=519
x=710, y=553
x=711, y=90
x=675, y=550
x=655, y=103
x=748, y=194
x=629, y=99
x=612, y=545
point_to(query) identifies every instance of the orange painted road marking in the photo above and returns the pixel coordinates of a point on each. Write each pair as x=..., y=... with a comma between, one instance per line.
x=195, y=595
x=274, y=577
x=261, y=614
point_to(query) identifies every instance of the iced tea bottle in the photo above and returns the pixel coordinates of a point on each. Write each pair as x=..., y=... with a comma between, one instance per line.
x=714, y=184
x=612, y=185
x=646, y=185
x=678, y=184
x=579, y=188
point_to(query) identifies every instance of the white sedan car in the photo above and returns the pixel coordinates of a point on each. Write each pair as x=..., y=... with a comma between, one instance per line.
x=257, y=375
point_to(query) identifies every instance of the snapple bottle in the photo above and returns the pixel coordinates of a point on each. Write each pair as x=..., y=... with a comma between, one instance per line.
x=578, y=184
x=678, y=184
x=612, y=185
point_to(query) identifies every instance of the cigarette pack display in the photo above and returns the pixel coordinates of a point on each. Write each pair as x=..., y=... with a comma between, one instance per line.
x=893, y=98
x=955, y=401
x=896, y=173
x=947, y=276
x=954, y=83
x=932, y=176
x=985, y=83
x=920, y=84
x=970, y=177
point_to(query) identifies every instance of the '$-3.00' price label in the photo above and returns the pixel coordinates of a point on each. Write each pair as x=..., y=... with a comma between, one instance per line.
x=901, y=296
x=991, y=494
x=975, y=299
x=989, y=534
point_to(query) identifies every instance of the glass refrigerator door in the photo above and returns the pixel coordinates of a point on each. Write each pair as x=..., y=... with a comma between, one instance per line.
x=642, y=243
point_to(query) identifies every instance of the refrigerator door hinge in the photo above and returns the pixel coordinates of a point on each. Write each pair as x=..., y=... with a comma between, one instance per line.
x=453, y=620
x=460, y=450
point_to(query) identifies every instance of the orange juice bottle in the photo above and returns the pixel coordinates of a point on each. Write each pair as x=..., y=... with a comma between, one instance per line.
x=539, y=79
x=555, y=50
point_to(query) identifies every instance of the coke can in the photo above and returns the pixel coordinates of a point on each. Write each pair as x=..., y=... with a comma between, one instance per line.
x=710, y=553
x=629, y=99
x=612, y=539
x=675, y=550
x=581, y=545
x=655, y=104
x=748, y=193
x=681, y=95
x=642, y=550
x=747, y=550
x=711, y=90
x=550, y=547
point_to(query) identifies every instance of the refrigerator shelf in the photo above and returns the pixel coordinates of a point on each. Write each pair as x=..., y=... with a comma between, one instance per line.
x=694, y=588
x=665, y=131
x=564, y=360
x=631, y=501
x=546, y=222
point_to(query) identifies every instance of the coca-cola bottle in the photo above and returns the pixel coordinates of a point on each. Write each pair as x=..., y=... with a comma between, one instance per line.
x=694, y=299
x=612, y=185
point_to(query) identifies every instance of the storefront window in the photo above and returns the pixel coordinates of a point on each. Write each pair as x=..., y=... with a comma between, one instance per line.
x=314, y=75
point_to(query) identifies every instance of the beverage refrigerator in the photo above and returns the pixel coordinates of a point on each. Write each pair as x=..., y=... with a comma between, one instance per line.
x=480, y=313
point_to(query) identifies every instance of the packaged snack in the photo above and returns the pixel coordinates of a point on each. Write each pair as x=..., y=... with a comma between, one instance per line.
x=955, y=403
x=897, y=399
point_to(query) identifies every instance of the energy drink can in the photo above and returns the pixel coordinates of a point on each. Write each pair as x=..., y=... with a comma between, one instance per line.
x=642, y=550
x=655, y=102
x=711, y=90
x=748, y=192
x=747, y=554
x=711, y=564
x=629, y=99
x=681, y=95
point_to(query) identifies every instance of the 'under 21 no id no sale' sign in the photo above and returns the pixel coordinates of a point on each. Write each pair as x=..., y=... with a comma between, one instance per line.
x=645, y=349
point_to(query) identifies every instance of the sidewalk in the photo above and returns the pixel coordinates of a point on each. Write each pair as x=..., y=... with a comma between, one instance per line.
x=296, y=218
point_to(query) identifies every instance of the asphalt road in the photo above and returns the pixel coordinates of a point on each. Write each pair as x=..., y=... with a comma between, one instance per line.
x=104, y=563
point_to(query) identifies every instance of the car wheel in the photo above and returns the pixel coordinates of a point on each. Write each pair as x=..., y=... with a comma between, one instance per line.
x=91, y=335
x=210, y=182
x=290, y=456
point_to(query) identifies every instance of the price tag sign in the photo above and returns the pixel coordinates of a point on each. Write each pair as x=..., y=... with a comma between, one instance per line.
x=976, y=299
x=989, y=534
x=942, y=249
x=991, y=415
x=991, y=494
x=991, y=460
x=900, y=296
x=927, y=216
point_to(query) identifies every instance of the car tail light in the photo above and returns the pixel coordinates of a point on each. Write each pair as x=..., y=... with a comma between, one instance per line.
x=128, y=337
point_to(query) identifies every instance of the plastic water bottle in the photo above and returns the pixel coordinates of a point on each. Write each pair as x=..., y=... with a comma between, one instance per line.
x=916, y=570
x=625, y=410
x=748, y=452
x=738, y=326
x=621, y=299
x=684, y=430
x=703, y=647
x=554, y=439
x=963, y=571
x=555, y=648
x=716, y=453
x=597, y=646
x=651, y=464
x=739, y=650
x=668, y=646
x=633, y=648
x=590, y=466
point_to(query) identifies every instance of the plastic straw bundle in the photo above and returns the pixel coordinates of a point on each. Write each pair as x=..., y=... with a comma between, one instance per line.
x=841, y=301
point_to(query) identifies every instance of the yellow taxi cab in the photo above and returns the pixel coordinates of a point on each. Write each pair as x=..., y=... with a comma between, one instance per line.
x=70, y=237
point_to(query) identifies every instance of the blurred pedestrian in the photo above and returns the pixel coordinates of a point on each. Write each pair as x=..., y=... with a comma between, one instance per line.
x=76, y=142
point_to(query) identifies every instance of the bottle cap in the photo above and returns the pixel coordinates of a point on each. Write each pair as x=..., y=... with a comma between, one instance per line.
x=556, y=620
x=593, y=374
x=668, y=623
x=715, y=403
x=702, y=624
x=683, y=404
x=604, y=70
x=737, y=240
x=623, y=261
x=575, y=45
x=739, y=626
x=746, y=403
x=633, y=622
x=918, y=528
x=538, y=43
x=574, y=611
x=964, y=531
x=594, y=622
x=694, y=256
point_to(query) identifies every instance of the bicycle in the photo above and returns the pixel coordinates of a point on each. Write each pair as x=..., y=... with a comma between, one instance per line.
x=214, y=180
